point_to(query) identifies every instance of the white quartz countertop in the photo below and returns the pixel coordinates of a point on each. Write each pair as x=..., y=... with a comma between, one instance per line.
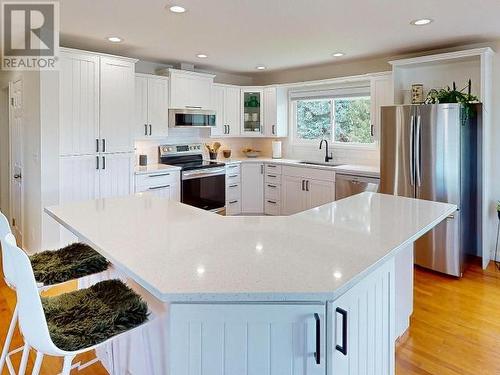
x=152, y=168
x=180, y=253
x=352, y=169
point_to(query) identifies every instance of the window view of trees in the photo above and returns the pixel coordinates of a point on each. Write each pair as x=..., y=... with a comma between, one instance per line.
x=351, y=120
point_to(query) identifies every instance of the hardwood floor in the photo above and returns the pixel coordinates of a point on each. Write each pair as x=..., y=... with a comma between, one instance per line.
x=455, y=328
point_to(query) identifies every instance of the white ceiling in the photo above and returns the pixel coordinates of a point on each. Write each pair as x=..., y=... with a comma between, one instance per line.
x=238, y=35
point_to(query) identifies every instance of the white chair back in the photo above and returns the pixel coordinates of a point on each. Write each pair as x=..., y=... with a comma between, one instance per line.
x=5, y=232
x=31, y=316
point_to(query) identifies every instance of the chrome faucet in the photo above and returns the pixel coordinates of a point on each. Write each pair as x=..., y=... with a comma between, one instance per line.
x=327, y=157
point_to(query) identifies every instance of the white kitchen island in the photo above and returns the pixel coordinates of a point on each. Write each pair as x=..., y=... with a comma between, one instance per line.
x=312, y=293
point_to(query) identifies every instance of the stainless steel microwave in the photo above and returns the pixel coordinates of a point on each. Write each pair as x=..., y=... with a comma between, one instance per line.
x=191, y=118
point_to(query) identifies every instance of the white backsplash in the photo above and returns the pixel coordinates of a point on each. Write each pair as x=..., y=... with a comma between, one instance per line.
x=175, y=136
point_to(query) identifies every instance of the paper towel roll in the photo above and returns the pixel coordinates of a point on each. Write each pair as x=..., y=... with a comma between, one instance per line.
x=276, y=149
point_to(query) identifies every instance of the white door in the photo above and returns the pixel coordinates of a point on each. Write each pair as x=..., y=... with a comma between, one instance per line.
x=79, y=104
x=141, y=128
x=158, y=107
x=115, y=174
x=232, y=113
x=252, y=188
x=218, y=99
x=270, y=112
x=293, y=195
x=247, y=339
x=320, y=192
x=361, y=324
x=78, y=181
x=16, y=158
x=117, y=105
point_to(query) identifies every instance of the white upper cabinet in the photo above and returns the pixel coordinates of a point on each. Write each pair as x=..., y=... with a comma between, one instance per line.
x=381, y=93
x=252, y=112
x=226, y=103
x=275, y=112
x=151, y=106
x=79, y=103
x=116, y=104
x=190, y=89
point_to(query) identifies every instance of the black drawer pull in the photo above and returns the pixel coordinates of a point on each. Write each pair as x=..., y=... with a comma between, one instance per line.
x=273, y=202
x=233, y=186
x=343, y=348
x=317, y=353
x=272, y=186
x=159, y=187
x=271, y=175
x=159, y=175
x=233, y=176
x=271, y=166
x=233, y=202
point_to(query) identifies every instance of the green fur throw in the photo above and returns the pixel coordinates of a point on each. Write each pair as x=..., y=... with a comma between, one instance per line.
x=86, y=317
x=70, y=262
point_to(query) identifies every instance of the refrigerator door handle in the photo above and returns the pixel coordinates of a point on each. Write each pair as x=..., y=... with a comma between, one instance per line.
x=417, y=152
x=412, y=150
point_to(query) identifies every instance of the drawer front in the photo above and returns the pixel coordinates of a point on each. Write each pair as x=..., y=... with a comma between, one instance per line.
x=156, y=179
x=273, y=178
x=309, y=173
x=272, y=207
x=233, y=191
x=273, y=168
x=272, y=191
x=233, y=169
x=233, y=207
x=232, y=178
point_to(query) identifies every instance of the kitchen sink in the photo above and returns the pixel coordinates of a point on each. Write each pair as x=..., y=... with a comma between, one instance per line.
x=319, y=163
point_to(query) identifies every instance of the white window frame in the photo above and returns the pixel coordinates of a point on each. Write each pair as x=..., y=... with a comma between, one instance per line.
x=297, y=141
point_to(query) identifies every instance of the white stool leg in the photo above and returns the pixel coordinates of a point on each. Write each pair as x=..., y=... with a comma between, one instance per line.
x=24, y=359
x=38, y=363
x=67, y=365
x=8, y=339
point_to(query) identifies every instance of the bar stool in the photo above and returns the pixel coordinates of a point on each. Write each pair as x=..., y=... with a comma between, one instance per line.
x=50, y=268
x=74, y=322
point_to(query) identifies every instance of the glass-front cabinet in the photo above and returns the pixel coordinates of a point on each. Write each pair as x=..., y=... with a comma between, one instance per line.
x=252, y=113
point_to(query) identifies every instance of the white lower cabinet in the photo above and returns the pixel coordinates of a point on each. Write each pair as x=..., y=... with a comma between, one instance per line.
x=361, y=326
x=233, y=189
x=292, y=195
x=115, y=175
x=250, y=339
x=252, y=188
x=164, y=184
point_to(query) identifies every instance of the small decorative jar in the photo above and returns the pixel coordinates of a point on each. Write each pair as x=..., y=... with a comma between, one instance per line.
x=417, y=93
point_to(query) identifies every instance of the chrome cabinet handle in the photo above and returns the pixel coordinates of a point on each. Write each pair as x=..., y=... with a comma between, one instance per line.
x=417, y=151
x=159, y=175
x=412, y=151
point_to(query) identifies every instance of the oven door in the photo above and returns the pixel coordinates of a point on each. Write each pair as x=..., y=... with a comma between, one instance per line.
x=204, y=188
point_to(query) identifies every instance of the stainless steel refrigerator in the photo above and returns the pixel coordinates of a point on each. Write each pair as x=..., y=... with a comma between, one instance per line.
x=431, y=152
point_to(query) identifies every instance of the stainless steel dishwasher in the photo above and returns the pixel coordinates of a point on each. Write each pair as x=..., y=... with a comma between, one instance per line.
x=347, y=185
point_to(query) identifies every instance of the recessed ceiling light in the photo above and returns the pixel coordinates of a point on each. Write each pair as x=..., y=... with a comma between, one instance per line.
x=177, y=9
x=338, y=54
x=261, y=67
x=421, y=22
x=201, y=56
x=115, y=39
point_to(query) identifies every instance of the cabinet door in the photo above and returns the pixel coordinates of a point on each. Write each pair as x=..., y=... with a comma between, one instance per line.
x=141, y=107
x=270, y=114
x=115, y=174
x=252, y=112
x=218, y=98
x=79, y=104
x=246, y=339
x=190, y=91
x=232, y=113
x=117, y=105
x=78, y=181
x=320, y=192
x=381, y=93
x=252, y=188
x=201, y=93
x=361, y=324
x=158, y=107
x=293, y=195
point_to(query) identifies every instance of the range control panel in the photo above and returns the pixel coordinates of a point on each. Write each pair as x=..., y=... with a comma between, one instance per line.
x=194, y=148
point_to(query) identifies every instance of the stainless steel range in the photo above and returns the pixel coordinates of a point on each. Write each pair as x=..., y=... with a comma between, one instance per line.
x=203, y=182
